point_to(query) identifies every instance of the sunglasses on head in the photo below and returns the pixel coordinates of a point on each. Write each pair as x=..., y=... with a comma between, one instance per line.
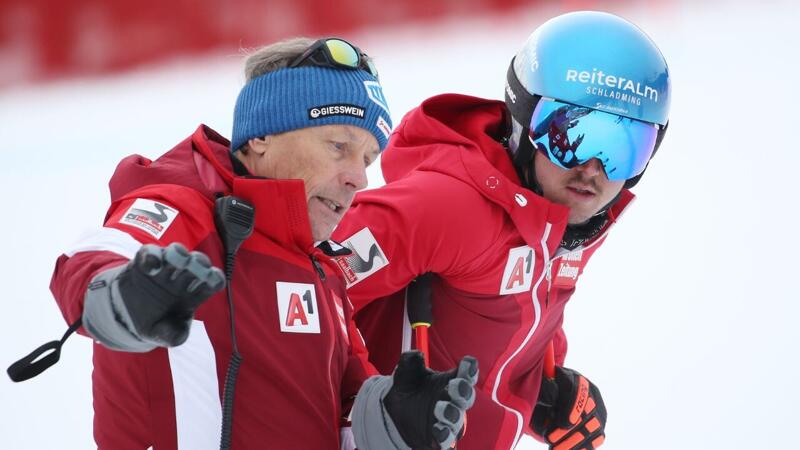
x=337, y=54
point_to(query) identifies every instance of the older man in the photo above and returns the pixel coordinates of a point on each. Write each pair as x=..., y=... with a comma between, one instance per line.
x=172, y=349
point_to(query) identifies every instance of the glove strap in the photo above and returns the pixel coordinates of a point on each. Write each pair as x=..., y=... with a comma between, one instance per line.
x=28, y=367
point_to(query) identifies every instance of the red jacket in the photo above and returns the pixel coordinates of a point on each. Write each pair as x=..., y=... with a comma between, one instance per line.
x=453, y=205
x=303, y=360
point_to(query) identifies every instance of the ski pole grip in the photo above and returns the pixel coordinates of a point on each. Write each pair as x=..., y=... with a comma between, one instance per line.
x=419, y=300
x=418, y=306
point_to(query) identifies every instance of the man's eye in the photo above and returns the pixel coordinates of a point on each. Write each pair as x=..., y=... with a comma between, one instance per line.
x=338, y=145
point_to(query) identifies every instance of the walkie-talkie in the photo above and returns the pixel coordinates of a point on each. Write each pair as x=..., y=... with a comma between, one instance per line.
x=235, y=219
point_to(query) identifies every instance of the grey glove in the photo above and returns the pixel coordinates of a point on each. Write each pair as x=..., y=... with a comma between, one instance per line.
x=416, y=408
x=149, y=302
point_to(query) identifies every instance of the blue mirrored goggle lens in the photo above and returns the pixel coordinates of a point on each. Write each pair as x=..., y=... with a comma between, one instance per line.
x=571, y=135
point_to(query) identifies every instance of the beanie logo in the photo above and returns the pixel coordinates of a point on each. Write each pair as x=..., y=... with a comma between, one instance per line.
x=375, y=93
x=320, y=112
x=384, y=127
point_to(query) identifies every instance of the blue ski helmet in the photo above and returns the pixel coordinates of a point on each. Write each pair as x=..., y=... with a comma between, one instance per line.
x=599, y=62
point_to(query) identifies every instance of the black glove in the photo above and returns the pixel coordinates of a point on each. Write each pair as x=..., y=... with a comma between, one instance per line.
x=570, y=413
x=151, y=300
x=428, y=408
x=415, y=408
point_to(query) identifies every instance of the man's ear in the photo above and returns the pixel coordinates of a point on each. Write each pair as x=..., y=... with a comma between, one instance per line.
x=260, y=145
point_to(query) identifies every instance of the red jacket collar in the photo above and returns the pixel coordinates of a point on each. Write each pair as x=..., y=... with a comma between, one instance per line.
x=281, y=206
x=457, y=135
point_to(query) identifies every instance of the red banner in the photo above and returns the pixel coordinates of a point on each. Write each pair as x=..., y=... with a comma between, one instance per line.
x=46, y=39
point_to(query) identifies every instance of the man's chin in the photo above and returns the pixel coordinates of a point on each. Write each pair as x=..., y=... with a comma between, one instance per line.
x=578, y=219
x=321, y=233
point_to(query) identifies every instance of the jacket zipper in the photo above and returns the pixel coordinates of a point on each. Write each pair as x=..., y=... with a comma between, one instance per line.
x=548, y=276
x=317, y=267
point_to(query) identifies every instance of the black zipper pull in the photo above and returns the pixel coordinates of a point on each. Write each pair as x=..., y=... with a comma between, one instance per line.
x=318, y=267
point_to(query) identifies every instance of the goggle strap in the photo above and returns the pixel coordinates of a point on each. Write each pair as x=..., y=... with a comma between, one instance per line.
x=523, y=160
x=662, y=131
x=307, y=53
x=522, y=103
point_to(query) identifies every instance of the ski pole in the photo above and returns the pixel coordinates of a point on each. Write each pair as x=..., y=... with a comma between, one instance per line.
x=418, y=297
x=419, y=307
x=549, y=361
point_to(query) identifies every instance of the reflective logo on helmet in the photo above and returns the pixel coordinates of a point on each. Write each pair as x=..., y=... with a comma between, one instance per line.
x=510, y=93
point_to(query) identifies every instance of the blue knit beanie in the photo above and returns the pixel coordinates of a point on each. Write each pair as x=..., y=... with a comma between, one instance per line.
x=290, y=99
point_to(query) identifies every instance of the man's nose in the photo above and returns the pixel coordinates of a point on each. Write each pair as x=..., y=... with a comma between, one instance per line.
x=355, y=176
x=592, y=168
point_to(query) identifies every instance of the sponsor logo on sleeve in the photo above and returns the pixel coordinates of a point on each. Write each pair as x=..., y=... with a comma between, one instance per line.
x=518, y=274
x=153, y=217
x=367, y=257
x=297, y=307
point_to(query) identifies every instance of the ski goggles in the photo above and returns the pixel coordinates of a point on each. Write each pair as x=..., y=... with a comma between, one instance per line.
x=337, y=54
x=571, y=135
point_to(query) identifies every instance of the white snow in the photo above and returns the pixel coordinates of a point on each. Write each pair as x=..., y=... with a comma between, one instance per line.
x=686, y=319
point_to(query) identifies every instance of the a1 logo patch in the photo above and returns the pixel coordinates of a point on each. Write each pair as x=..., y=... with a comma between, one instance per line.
x=297, y=307
x=518, y=274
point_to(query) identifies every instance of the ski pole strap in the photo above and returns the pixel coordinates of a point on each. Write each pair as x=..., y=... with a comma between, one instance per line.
x=28, y=367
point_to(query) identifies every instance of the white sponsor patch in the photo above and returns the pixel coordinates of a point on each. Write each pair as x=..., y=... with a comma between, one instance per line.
x=297, y=307
x=569, y=267
x=518, y=274
x=367, y=257
x=152, y=217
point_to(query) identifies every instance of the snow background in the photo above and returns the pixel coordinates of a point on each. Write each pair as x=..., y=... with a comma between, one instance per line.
x=686, y=319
